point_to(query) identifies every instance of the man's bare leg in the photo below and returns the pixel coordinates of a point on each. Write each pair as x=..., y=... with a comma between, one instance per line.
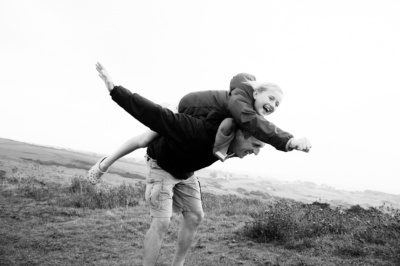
x=153, y=240
x=187, y=232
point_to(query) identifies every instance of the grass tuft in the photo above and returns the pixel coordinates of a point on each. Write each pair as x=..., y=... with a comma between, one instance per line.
x=355, y=232
x=102, y=196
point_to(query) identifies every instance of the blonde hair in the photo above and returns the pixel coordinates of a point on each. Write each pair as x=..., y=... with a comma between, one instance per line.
x=262, y=86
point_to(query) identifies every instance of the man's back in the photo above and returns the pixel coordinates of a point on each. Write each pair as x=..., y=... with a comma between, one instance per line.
x=180, y=134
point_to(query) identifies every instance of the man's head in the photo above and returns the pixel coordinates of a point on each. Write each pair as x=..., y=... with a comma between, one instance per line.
x=242, y=146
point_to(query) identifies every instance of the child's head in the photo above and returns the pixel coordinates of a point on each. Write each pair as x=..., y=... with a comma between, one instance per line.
x=267, y=97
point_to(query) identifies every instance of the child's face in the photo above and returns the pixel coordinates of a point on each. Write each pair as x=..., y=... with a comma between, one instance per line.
x=267, y=102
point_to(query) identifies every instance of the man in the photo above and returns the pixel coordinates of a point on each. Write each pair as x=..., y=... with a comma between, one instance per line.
x=185, y=145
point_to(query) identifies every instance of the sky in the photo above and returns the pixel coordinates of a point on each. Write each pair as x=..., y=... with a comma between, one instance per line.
x=336, y=61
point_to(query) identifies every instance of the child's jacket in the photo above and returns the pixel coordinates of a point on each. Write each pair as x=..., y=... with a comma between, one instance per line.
x=237, y=103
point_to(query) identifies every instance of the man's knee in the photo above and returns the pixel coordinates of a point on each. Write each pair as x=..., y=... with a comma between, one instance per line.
x=194, y=218
x=160, y=225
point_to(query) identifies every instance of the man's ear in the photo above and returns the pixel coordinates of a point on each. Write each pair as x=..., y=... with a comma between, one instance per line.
x=239, y=133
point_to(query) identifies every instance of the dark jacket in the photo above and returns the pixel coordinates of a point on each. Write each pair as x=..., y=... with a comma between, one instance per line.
x=185, y=144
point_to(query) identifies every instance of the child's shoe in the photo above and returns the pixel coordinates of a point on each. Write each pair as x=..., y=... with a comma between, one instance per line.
x=94, y=174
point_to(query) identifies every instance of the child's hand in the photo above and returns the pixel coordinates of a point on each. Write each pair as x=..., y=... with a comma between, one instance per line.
x=301, y=144
x=105, y=76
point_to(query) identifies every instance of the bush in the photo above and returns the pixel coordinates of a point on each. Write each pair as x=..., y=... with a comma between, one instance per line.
x=355, y=232
x=2, y=174
x=287, y=220
x=34, y=188
x=85, y=195
x=230, y=204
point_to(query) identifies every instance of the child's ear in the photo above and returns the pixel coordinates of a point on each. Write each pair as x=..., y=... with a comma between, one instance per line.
x=255, y=94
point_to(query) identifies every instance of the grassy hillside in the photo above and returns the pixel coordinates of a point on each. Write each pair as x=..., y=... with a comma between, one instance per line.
x=131, y=171
x=49, y=215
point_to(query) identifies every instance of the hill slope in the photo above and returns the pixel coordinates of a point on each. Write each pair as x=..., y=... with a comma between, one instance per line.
x=131, y=171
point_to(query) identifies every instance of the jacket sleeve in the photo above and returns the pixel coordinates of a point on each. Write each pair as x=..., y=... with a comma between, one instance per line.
x=240, y=106
x=179, y=127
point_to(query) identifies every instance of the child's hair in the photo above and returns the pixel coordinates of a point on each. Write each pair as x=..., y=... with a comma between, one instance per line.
x=262, y=86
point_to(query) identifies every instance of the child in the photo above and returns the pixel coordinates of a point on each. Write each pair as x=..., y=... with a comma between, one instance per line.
x=247, y=102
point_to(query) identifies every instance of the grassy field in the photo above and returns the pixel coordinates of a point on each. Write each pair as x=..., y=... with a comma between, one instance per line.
x=49, y=215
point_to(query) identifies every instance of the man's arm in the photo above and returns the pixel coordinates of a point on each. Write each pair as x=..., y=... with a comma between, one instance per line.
x=105, y=76
x=176, y=126
x=179, y=127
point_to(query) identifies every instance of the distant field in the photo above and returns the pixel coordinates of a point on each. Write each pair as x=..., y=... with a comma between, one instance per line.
x=129, y=171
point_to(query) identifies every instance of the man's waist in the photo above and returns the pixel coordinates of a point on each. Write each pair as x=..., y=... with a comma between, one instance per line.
x=153, y=163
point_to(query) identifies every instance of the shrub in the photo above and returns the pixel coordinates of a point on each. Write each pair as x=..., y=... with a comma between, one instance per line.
x=34, y=188
x=287, y=220
x=85, y=195
x=2, y=174
x=230, y=204
x=355, y=232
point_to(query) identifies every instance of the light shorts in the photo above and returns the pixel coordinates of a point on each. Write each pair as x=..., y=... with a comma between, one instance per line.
x=165, y=193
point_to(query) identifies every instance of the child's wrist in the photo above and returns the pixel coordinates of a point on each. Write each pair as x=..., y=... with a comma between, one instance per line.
x=289, y=146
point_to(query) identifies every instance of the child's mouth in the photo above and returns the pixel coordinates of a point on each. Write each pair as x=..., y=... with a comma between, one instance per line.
x=267, y=109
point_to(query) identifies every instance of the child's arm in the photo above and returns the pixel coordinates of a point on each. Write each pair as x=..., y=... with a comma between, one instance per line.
x=240, y=105
x=300, y=144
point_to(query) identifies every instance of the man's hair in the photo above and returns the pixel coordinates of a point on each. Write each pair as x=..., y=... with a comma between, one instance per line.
x=240, y=133
x=245, y=134
x=262, y=86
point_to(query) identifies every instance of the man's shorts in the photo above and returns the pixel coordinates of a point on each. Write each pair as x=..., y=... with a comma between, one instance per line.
x=165, y=193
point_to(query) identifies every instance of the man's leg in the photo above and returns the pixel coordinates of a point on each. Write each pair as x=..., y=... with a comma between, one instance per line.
x=187, y=232
x=153, y=240
x=187, y=199
x=159, y=193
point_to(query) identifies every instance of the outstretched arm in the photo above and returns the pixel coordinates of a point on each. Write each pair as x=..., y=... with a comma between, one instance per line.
x=137, y=142
x=300, y=144
x=105, y=76
x=241, y=108
x=178, y=127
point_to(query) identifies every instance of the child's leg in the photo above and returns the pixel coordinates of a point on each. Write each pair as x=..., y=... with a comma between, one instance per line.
x=137, y=142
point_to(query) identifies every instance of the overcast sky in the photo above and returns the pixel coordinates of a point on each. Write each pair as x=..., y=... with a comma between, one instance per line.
x=336, y=61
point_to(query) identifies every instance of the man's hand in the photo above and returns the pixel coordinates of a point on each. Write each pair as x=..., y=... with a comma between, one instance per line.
x=301, y=144
x=105, y=76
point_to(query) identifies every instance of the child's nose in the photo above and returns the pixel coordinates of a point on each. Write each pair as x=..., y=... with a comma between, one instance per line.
x=256, y=151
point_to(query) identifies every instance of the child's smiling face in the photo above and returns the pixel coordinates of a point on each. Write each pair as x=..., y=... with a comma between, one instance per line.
x=266, y=102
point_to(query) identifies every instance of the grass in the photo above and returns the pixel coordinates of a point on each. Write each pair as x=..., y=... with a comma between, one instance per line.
x=74, y=223
x=356, y=232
